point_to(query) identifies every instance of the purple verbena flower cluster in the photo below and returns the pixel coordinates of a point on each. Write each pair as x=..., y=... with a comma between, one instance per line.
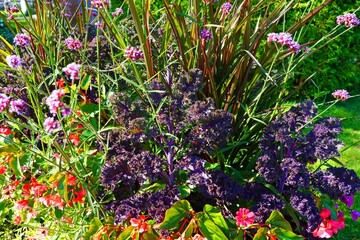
x=118, y=12
x=206, y=34
x=341, y=94
x=226, y=8
x=73, y=44
x=72, y=70
x=133, y=53
x=22, y=40
x=17, y=106
x=55, y=103
x=284, y=39
x=348, y=19
x=14, y=61
x=100, y=3
x=50, y=124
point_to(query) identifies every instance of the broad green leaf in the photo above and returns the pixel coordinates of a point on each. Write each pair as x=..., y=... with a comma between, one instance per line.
x=208, y=228
x=283, y=234
x=95, y=225
x=261, y=234
x=174, y=215
x=276, y=219
x=58, y=213
x=214, y=213
x=127, y=233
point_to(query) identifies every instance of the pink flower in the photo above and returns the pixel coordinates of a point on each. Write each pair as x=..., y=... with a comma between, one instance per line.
x=244, y=217
x=140, y=223
x=72, y=70
x=4, y=102
x=285, y=39
x=51, y=125
x=226, y=8
x=323, y=232
x=14, y=9
x=133, y=53
x=328, y=226
x=118, y=12
x=17, y=106
x=100, y=3
x=22, y=40
x=54, y=101
x=349, y=19
x=341, y=94
x=73, y=44
x=14, y=61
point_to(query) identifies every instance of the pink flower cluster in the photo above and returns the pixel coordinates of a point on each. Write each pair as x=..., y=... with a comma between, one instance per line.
x=22, y=40
x=226, y=8
x=14, y=9
x=118, y=12
x=133, y=53
x=4, y=102
x=72, y=70
x=341, y=94
x=100, y=3
x=284, y=39
x=349, y=19
x=244, y=217
x=14, y=61
x=54, y=102
x=50, y=124
x=73, y=44
x=328, y=226
x=15, y=106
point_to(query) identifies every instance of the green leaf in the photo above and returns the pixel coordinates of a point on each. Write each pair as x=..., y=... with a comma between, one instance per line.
x=127, y=233
x=261, y=234
x=148, y=236
x=58, y=213
x=190, y=229
x=283, y=234
x=276, y=219
x=174, y=215
x=85, y=83
x=184, y=191
x=328, y=203
x=208, y=228
x=95, y=225
x=14, y=164
x=63, y=188
x=214, y=214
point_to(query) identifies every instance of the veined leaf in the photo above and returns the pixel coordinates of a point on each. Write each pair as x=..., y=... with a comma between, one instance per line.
x=276, y=219
x=174, y=215
x=208, y=228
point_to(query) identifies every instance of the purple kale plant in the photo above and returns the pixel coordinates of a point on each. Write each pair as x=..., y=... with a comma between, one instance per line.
x=155, y=154
x=290, y=144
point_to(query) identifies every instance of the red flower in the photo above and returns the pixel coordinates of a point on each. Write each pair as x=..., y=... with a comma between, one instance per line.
x=52, y=200
x=71, y=180
x=80, y=195
x=74, y=138
x=2, y=169
x=37, y=188
x=17, y=220
x=140, y=223
x=5, y=131
x=22, y=204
